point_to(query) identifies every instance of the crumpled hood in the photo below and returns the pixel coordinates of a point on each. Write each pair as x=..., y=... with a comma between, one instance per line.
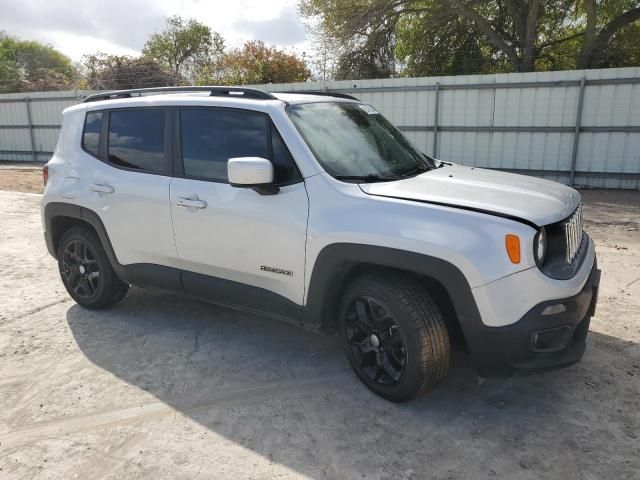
x=533, y=199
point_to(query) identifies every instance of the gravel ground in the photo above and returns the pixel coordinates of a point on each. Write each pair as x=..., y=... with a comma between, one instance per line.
x=21, y=178
x=165, y=387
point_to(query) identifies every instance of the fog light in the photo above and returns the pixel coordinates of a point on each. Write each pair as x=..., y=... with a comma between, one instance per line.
x=551, y=340
x=554, y=309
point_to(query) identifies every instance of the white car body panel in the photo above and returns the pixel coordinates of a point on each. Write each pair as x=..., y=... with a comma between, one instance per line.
x=249, y=171
x=241, y=231
x=137, y=214
x=342, y=213
x=539, y=201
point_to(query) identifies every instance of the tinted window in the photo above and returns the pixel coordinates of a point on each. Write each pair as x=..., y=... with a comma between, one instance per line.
x=211, y=137
x=283, y=163
x=92, y=128
x=136, y=139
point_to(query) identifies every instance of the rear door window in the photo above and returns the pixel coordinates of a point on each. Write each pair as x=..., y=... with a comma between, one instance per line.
x=137, y=139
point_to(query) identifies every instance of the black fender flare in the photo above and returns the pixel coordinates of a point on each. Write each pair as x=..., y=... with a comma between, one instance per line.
x=55, y=210
x=336, y=260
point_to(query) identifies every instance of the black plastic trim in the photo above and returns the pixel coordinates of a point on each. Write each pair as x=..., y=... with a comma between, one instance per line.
x=151, y=275
x=555, y=265
x=322, y=94
x=215, y=91
x=240, y=296
x=335, y=261
x=261, y=188
x=508, y=349
x=56, y=210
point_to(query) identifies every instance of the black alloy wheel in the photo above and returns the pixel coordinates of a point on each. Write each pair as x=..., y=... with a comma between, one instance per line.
x=80, y=269
x=376, y=340
x=86, y=271
x=394, y=335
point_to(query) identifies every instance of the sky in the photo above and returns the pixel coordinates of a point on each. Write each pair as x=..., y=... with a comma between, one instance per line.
x=78, y=27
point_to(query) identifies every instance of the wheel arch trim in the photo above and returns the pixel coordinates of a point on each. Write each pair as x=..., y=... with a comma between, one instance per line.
x=55, y=210
x=335, y=261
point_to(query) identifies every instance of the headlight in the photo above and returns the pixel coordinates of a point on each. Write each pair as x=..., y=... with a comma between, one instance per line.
x=540, y=246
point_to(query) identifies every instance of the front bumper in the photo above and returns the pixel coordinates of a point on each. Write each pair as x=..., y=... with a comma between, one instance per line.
x=549, y=336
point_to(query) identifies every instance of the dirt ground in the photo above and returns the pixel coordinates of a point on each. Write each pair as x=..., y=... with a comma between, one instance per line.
x=21, y=179
x=166, y=387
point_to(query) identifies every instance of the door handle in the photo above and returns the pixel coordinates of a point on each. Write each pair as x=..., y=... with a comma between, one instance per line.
x=188, y=202
x=94, y=187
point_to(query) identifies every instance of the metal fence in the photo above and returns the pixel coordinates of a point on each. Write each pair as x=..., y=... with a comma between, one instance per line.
x=577, y=127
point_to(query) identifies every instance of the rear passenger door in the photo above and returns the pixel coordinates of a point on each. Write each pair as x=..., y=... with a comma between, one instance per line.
x=127, y=185
x=238, y=247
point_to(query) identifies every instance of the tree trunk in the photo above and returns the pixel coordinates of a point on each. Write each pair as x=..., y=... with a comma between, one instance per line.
x=487, y=29
x=529, y=50
x=592, y=52
x=590, y=9
x=525, y=19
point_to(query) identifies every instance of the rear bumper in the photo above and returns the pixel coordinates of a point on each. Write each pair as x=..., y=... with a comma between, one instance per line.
x=549, y=336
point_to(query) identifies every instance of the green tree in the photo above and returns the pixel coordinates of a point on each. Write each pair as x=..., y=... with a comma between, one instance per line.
x=603, y=20
x=32, y=66
x=436, y=44
x=185, y=46
x=477, y=36
x=119, y=72
x=257, y=63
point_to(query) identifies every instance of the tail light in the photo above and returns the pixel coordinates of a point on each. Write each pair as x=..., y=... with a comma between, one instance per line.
x=45, y=175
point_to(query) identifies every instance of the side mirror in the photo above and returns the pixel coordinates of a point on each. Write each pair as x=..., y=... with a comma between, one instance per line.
x=252, y=172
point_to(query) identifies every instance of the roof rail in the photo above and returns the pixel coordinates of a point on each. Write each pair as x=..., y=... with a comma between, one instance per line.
x=324, y=94
x=237, y=92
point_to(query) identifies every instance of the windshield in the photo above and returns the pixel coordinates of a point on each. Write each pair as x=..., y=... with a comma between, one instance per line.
x=354, y=142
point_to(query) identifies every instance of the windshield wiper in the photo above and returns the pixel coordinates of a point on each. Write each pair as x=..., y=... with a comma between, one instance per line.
x=415, y=171
x=372, y=177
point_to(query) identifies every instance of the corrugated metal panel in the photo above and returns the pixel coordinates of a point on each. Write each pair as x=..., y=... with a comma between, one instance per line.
x=483, y=116
x=48, y=113
x=14, y=113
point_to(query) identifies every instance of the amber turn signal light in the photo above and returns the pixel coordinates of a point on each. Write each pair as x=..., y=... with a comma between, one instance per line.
x=512, y=242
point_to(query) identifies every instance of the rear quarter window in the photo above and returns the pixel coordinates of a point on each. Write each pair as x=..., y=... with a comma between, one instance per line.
x=91, y=133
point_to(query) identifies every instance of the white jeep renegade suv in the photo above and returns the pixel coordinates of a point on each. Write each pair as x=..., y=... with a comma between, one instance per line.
x=314, y=209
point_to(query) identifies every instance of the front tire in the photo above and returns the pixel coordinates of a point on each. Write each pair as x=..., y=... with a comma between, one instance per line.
x=394, y=336
x=86, y=271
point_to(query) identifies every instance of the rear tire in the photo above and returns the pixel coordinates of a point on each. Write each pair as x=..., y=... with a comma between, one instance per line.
x=86, y=271
x=394, y=336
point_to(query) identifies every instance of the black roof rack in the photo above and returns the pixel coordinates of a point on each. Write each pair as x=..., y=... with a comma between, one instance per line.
x=239, y=92
x=324, y=94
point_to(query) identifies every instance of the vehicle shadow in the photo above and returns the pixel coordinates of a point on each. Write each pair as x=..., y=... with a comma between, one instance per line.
x=290, y=396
